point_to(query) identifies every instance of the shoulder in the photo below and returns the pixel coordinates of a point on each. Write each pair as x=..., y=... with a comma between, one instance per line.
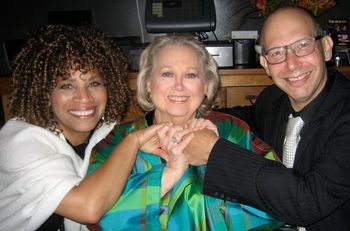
x=337, y=102
x=339, y=92
x=14, y=125
x=22, y=143
x=18, y=130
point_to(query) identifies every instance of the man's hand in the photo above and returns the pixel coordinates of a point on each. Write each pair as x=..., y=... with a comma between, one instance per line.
x=198, y=150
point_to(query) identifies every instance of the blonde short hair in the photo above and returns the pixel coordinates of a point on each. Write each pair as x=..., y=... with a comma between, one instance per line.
x=209, y=67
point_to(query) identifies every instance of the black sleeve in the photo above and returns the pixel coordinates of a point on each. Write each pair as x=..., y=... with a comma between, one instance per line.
x=238, y=175
x=231, y=173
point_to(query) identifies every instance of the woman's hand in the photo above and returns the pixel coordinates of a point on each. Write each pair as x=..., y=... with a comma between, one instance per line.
x=149, y=142
x=199, y=124
x=173, y=140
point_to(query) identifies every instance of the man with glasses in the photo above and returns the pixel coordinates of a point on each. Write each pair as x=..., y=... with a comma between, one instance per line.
x=312, y=190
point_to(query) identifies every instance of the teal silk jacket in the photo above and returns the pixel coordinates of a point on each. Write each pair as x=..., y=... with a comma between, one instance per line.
x=140, y=207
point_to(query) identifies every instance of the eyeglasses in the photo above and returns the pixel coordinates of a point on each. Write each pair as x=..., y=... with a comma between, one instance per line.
x=300, y=48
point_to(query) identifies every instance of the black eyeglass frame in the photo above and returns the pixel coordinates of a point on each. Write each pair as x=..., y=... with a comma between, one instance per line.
x=316, y=38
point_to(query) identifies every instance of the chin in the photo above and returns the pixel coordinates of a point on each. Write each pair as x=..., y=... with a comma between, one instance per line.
x=85, y=127
x=178, y=113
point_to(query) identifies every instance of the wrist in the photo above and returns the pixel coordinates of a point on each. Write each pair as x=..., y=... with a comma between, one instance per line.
x=169, y=178
x=175, y=170
x=134, y=140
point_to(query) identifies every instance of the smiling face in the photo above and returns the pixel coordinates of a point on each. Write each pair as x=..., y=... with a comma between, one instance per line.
x=176, y=84
x=78, y=104
x=302, y=78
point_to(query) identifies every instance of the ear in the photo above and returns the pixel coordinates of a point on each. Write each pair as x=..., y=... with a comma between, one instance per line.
x=327, y=44
x=264, y=64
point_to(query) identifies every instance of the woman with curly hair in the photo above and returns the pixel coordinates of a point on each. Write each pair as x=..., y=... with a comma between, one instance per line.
x=69, y=90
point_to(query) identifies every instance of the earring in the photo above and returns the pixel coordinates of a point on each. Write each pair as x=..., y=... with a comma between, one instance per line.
x=198, y=114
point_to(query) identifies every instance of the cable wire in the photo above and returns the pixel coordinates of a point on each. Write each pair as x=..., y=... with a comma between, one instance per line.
x=140, y=21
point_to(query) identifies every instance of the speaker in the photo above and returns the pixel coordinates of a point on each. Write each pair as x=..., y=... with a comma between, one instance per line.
x=244, y=52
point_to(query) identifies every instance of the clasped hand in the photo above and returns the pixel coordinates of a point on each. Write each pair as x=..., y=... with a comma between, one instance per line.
x=170, y=141
x=173, y=139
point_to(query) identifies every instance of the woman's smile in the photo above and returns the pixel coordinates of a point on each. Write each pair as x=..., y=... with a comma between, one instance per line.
x=178, y=99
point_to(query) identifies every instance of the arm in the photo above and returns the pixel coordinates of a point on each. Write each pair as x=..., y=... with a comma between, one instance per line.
x=177, y=163
x=295, y=196
x=89, y=200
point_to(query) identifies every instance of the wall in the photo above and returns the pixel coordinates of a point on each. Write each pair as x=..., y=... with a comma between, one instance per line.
x=119, y=18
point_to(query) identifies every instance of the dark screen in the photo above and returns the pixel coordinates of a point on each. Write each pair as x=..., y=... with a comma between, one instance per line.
x=175, y=8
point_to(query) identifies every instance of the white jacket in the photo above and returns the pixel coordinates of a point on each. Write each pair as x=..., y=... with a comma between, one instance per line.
x=37, y=169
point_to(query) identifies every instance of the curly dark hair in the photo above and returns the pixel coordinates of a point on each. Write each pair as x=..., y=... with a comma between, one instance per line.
x=50, y=54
